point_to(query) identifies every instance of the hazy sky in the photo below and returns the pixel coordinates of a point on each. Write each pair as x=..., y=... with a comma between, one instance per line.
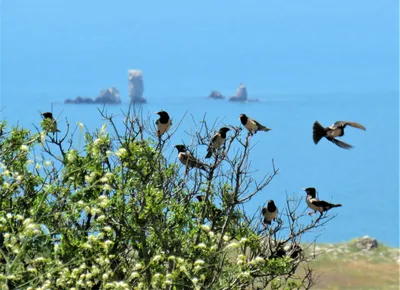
x=271, y=45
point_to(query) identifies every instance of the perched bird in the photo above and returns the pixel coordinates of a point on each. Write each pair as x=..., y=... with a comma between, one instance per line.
x=315, y=204
x=163, y=123
x=187, y=159
x=295, y=251
x=278, y=253
x=217, y=141
x=336, y=130
x=269, y=212
x=49, y=123
x=252, y=125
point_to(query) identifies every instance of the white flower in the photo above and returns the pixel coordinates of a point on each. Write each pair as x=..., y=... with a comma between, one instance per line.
x=24, y=148
x=201, y=246
x=121, y=152
x=138, y=266
x=233, y=245
x=107, y=229
x=157, y=258
x=258, y=259
x=80, y=125
x=199, y=262
x=71, y=157
x=135, y=275
x=101, y=218
x=103, y=129
x=43, y=137
x=107, y=187
x=108, y=243
x=9, y=216
x=226, y=238
x=205, y=228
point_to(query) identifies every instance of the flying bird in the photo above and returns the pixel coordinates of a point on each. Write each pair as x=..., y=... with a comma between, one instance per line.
x=216, y=141
x=336, y=130
x=269, y=212
x=315, y=204
x=163, y=123
x=187, y=159
x=252, y=125
x=49, y=123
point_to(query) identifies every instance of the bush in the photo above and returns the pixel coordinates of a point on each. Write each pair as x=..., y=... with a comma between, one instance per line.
x=116, y=214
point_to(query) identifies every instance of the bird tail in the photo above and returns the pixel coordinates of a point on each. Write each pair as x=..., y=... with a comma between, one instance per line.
x=267, y=222
x=336, y=205
x=209, y=153
x=263, y=128
x=318, y=132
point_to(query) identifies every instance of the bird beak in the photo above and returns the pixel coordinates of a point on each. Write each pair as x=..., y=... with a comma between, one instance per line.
x=303, y=189
x=156, y=112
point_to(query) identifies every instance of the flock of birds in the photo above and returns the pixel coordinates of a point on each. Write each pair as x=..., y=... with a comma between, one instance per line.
x=269, y=212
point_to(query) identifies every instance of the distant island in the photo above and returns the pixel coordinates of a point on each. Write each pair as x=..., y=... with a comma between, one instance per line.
x=107, y=96
x=112, y=96
x=240, y=95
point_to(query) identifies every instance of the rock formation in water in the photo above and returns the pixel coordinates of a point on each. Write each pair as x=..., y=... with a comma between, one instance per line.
x=107, y=96
x=241, y=94
x=216, y=95
x=136, y=88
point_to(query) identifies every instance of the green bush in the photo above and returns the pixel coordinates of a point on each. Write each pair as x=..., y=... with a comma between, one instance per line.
x=114, y=213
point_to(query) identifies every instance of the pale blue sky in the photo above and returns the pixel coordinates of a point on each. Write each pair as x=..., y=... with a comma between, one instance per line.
x=272, y=46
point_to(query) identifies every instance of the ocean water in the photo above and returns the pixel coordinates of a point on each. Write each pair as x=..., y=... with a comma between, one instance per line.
x=304, y=60
x=364, y=180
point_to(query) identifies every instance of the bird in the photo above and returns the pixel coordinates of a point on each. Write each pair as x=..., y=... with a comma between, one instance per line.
x=336, y=130
x=269, y=212
x=217, y=140
x=163, y=123
x=252, y=125
x=187, y=159
x=315, y=204
x=49, y=123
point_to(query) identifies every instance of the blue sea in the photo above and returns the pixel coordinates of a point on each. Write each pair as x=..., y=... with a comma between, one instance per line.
x=365, y=180
x=304, y=60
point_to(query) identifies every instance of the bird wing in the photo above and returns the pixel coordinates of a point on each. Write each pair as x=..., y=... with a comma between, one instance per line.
x=352, y=124
x=256, y=123
x=321, y=203
x=194, y=162
x=264, y=211
x=339, y=143
x=213, y=143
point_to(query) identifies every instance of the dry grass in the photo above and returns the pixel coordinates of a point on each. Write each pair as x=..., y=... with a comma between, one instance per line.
x=343, y=268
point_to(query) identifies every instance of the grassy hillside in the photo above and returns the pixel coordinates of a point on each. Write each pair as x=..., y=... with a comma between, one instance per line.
x=344, y=266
